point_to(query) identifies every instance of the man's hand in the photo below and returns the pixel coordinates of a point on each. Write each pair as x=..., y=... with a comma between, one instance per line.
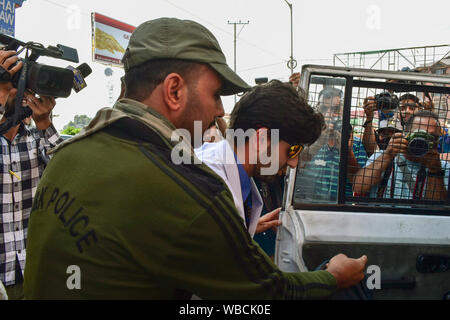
x=41, y=107
x=7, y=59
x=431, y=160
x=348, y=272
x=370, y=106
x=294, y=79
x=269, y=220
x=397, y=144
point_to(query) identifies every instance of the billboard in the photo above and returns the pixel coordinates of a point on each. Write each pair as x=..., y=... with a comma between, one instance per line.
x=109, y=39
x=7, y=16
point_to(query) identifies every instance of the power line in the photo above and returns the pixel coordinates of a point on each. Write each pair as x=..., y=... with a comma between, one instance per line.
x=221, y=29
x=66, y=7
x=261, y=67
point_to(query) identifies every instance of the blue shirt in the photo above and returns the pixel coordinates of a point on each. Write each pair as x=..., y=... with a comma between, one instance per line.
x=245, y=182
x=444, y=142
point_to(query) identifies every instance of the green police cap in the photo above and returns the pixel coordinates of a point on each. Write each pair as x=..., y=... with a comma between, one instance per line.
x=170, y=38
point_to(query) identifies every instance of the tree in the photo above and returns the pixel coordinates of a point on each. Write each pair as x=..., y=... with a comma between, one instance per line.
x=70, y=130
x=79, y=121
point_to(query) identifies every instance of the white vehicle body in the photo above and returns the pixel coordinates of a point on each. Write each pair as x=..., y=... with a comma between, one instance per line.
x=408, y=240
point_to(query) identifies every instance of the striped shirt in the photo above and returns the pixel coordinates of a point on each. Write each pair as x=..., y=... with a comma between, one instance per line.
x=319, y=180
x=23, y=162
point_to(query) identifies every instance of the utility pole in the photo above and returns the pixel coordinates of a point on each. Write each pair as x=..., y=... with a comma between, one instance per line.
x=292, y=63
x=235, y=37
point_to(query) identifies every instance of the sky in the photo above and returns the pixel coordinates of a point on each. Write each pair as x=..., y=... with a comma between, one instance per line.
x=263, y=46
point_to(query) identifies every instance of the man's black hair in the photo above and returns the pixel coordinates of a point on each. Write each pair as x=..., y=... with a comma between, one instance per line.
x=277, y=105
x=141, y=80
x=420, y=114
x=330, y=92
x=409, y=96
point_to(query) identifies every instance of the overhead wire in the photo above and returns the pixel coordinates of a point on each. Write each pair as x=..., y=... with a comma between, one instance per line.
x=211, y=24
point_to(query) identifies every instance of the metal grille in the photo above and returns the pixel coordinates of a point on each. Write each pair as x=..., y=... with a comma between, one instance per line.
x=401, y=157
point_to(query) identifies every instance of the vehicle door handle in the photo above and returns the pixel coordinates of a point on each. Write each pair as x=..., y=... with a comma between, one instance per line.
x=431, y=263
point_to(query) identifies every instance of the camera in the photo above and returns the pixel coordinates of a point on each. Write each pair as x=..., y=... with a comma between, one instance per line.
x=261, y=80
x=420, y=142
x=40, y=79
x=407, y=69
x=336, y=122
x=386, y=101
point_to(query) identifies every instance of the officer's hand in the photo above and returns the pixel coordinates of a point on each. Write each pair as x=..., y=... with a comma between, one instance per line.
x=397, y=144
x=269, y=220
x=41, y=107
x=7, y=59
x=348, y=272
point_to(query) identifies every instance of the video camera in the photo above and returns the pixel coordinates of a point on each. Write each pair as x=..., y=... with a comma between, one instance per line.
x=386, y=101
x=40, y=79
x=336, y=123
x=420, y=142
x=386, y=105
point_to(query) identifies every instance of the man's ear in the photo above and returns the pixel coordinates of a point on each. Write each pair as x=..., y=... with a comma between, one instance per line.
x=263, y=140
x=259, y=141
x=175, y=92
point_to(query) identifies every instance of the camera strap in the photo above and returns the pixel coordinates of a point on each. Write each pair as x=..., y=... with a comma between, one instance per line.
x=383, y=183
x=420, y=183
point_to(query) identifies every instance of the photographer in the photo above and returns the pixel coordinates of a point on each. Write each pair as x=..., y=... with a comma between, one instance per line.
x=386, y=104
x=24, y=156
x=321, y=173
x=410, y=164
x=408, y=105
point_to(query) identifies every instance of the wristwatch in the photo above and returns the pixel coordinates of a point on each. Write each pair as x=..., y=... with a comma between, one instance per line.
x=437, y=174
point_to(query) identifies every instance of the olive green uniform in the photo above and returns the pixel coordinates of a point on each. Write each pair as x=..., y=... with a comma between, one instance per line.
x=112, y=203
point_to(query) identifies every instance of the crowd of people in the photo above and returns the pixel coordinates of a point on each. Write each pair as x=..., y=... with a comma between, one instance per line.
x=114, y=205
x=138, y=225
x=404, y=155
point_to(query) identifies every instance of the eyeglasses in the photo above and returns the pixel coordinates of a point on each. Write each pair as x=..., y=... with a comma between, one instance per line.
x=295, y=150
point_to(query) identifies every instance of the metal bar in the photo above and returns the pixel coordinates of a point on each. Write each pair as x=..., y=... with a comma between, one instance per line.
x=288, y=194
x=340, y=60
x=345, y=134
x=378, y=60
x=372, y=73
x=400, y=87
x=361, y=206
x=380, y=51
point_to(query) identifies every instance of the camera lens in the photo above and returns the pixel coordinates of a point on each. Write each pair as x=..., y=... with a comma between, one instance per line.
x=418, y=147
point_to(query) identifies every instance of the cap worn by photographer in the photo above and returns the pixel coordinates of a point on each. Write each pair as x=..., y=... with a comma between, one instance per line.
x=391, y=123
x=170, y=38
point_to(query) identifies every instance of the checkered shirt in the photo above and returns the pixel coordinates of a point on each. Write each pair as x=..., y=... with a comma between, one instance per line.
x=22, y=161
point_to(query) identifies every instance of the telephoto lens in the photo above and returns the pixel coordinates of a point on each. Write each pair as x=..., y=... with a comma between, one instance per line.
x=419, y=143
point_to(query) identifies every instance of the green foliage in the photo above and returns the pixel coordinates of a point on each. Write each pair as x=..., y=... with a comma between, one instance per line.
x=70, y=130
x=79, y=121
